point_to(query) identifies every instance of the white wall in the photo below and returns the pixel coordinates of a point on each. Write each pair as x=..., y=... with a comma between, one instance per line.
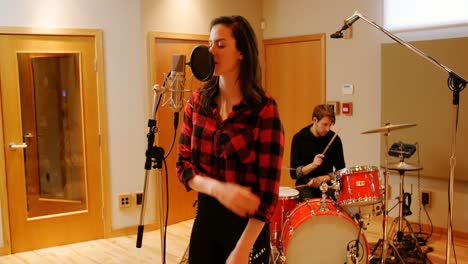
x=358, y=61
x=120, y=22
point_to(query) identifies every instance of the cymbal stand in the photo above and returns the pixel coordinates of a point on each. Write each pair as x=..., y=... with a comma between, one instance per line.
x=384, y=240
x=401, y=218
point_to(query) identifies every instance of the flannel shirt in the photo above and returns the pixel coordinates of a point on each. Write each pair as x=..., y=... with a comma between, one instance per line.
x=246, y=148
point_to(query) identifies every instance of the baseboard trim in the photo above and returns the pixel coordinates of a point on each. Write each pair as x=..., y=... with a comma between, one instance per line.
x=436, y=229
x=132, y=230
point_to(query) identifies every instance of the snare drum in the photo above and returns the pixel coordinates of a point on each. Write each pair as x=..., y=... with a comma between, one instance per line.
x=313, y=234
x=287, y=201
x=360, y=186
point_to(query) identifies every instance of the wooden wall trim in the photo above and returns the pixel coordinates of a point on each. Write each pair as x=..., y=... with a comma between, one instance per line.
x=320, y=37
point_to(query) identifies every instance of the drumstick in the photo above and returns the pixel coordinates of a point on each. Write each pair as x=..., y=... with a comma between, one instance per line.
x=331, y=141
x=301, y=186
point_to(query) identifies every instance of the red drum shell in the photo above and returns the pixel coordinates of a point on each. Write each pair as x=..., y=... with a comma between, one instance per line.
x=360, y=185
x=287, y=201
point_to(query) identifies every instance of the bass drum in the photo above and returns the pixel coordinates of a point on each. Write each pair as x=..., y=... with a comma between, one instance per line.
x=312, y=235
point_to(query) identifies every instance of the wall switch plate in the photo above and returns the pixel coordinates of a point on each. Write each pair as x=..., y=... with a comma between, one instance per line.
x=125, y=200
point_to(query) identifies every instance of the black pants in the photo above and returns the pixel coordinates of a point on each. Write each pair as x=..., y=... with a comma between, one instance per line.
x=216, y=231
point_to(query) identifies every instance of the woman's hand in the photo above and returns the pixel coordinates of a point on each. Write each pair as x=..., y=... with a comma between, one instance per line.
x=239, y=256
x=239, y=199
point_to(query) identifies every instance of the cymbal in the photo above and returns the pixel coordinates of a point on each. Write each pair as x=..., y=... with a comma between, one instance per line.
x=388, y=128
x=402, y=166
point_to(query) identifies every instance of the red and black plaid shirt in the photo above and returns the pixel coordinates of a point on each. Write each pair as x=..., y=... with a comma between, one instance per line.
x=246, y=148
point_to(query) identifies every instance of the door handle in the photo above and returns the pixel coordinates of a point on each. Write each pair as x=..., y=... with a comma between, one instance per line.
x=18, y=146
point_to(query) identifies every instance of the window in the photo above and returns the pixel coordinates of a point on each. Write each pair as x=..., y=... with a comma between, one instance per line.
x=404, y=15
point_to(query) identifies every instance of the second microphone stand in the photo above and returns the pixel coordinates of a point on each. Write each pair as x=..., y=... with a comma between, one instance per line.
x=456, y=84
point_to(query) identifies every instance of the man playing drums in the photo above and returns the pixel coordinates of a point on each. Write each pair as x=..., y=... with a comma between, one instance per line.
x=316, y=151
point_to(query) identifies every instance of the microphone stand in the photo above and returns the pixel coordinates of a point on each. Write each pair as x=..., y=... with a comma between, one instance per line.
x=456, y=84
x=153, y=154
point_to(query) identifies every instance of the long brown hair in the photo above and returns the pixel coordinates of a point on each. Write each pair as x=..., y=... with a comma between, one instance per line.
x=250, y=77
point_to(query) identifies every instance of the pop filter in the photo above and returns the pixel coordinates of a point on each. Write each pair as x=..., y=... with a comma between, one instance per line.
x=202, y=63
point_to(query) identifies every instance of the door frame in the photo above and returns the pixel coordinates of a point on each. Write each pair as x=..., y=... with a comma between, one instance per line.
x=154, y=72
x=97, y=34
x=320, y=38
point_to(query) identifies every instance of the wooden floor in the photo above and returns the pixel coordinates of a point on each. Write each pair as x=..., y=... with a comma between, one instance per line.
x=122, y=249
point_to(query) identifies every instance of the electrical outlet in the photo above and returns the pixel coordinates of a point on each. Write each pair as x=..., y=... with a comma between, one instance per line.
x=138, y=198
x=125, y=200
x=426, y=198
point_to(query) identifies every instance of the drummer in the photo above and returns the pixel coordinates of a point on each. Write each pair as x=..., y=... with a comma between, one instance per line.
x=311, y=166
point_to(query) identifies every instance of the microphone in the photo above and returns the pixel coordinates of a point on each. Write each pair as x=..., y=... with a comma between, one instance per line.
x=177, y=82
x=337, y=35
x=347, y=23
x=350, y=20
x=202, y=65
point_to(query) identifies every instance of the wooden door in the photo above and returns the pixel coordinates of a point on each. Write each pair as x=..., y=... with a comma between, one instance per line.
x=295, y=77
x=163, y=47
x=49, y=104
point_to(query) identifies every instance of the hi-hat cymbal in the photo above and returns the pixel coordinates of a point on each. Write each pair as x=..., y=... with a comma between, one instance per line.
x=402, y=166
x=388, y=128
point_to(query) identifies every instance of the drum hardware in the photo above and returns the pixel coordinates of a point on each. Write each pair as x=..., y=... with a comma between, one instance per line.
x=402, y=193
x=402, y=149
x=324, y=188
x=384, y=241
x=407, y=204
x=401, y=167
x=353, y=251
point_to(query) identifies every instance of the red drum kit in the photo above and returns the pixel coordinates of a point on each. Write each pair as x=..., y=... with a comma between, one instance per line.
x=328, y=229
x=287, y=201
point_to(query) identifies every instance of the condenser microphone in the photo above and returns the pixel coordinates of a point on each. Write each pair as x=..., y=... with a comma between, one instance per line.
x=337, y=34
x=350, y=20
x=177, y=82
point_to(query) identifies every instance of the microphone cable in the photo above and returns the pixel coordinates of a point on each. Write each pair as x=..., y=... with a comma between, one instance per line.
x=422, y=237
x=167, y=212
